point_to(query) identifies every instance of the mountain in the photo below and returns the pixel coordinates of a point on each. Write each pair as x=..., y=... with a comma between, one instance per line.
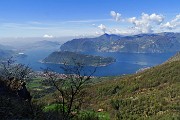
x=70, y=57
x=142, y=43
x=89, y=44
x=25, y=43
x=5, y=47
x=5, y=52
x=40, y=44
x=46, y=43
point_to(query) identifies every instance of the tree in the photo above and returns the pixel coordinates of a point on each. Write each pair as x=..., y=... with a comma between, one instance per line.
x=9, y=69
x=71, y=86
x=13, y=88
x=14, y=75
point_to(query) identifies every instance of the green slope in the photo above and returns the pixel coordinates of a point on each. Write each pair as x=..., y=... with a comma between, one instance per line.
x=153, y=94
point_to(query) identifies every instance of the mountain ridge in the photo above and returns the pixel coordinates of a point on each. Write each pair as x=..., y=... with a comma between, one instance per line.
x=142, y=43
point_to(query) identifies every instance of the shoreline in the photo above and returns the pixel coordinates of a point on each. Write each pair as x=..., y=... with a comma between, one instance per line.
x=72, y=65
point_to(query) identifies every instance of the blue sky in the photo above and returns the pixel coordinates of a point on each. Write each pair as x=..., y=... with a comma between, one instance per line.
x=54, y=18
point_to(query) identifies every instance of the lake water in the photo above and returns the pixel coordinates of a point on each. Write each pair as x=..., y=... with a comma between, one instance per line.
x=126, y=63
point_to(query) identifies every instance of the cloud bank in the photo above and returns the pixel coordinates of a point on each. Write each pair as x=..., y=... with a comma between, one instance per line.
x=145, y=23
x=173, y=24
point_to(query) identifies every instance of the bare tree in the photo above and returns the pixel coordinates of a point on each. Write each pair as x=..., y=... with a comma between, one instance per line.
x=71, y=87
x=13, y=76
x=9, y=69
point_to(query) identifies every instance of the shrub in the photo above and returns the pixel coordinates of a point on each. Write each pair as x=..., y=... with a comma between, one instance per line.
x=54, y=108
x=92, y=115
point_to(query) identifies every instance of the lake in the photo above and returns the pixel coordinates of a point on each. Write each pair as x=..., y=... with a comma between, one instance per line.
x=126, y=63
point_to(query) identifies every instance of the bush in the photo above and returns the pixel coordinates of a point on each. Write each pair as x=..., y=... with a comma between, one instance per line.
x=92, y=115
x=87, y=115
x=54, y=108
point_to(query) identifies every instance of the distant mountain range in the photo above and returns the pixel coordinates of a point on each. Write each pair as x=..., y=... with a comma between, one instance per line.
x=45, y=43
x=39, y=44
x=6, y=47
x=5, y=52
x=142, y=43
x=70, y=58
x=16, y=51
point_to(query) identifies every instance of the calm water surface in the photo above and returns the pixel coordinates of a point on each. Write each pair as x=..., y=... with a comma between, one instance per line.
x=126, y=63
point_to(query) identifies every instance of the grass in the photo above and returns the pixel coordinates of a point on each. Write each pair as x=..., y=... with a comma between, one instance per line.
x=92, y=115
x=53, y=108
x=34, y=83
x=38, y=89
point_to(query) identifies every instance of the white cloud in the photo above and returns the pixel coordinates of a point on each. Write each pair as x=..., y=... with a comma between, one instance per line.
x=98, y=33
x=158, y=19
x=173, y=24
x=48, y=36
x=132, y=20
x=94, y=25
x=102, y=27
x=116, y=16
x=146, y=23
x=125, y=31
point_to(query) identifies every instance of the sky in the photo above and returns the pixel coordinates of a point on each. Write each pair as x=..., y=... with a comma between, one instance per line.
x=57, y=18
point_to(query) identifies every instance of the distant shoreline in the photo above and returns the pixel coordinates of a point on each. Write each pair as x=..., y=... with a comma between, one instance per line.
x=72, y=65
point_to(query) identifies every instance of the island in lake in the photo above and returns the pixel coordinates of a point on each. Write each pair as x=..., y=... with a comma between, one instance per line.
x=60, y=57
